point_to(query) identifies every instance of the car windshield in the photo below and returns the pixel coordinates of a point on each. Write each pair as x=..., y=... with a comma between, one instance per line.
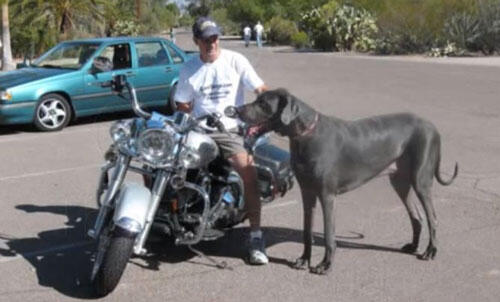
x=67, y=56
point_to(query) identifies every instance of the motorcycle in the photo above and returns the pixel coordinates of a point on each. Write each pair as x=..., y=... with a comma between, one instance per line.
x=191, y=193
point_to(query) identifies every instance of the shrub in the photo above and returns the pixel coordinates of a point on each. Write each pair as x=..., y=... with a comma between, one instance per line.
x=317, y=24
x=354, y=29
x=228, y=26
x=340, y=27
x=463, y=30
x=126, y=28
x=299, y=39
x=280, y=31
x=489, y=26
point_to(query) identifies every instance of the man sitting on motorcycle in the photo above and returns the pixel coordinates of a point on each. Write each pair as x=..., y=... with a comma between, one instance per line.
x=209, y=83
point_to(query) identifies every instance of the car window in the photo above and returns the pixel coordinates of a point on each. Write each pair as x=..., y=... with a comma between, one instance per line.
x=176, y=57
x=151, y=54
x=119, y=54
x=67, y=55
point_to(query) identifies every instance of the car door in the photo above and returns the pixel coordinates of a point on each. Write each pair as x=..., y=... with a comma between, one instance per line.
x=98, y=99
x=155, y=72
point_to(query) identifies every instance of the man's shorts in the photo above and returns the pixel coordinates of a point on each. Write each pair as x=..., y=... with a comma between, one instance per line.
x=228, y=146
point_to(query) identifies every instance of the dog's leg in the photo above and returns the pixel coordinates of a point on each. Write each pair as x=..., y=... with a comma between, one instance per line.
x=424, y=194
x=401, y=182
x=424, y=176
x=325, y=265
x=309, y=204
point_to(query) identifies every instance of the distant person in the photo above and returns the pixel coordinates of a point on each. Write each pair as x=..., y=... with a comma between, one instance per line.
x=247, y=32
x=258, y=33
x=172, y=35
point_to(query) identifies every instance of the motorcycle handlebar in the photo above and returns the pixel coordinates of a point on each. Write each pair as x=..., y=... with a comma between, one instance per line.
x=117, y=84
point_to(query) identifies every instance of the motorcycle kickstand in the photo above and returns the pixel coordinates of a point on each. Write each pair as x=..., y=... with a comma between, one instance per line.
x=221, y=265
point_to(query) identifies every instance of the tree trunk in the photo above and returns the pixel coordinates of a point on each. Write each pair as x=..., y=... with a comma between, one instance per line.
x=138, y=10
x=66, y=23
x=7, y=63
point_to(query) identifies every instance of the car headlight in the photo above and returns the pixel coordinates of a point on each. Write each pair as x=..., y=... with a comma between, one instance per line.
x=5, y=95
x=156, y=146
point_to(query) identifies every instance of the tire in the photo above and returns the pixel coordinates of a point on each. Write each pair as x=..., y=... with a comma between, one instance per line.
x=114, y=264
x=52, y=113
x=171, y=107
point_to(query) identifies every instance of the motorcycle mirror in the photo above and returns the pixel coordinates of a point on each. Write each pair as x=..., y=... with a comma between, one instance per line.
x=230, y=111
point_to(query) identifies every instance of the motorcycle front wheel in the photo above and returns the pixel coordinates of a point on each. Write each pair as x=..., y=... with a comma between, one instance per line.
x=114, y=262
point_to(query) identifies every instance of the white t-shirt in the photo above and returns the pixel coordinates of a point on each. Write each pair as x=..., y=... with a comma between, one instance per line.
x=214, y=86
x=247, y=31
x=258, y=28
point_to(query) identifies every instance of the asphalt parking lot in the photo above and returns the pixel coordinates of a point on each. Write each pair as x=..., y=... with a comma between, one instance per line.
x=48, y=182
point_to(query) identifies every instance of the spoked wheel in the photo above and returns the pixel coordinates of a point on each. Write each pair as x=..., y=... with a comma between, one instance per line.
x=113, y=253
x=52, y=113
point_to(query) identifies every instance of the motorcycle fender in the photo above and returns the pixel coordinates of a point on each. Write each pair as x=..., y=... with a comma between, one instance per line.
x=132, y=207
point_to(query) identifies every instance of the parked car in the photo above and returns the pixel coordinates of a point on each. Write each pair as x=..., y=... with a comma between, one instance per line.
x=63, y=83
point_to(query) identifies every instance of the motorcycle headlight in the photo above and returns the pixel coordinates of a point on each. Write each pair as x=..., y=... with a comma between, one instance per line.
x=156, y=146
x=121, y=130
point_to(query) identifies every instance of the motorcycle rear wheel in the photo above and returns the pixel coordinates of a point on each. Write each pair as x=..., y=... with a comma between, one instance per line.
x=114, y=263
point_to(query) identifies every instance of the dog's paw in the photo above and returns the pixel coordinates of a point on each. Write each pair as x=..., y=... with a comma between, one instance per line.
x=322, y=269
x=409, y=248
x=299, y=263
x=429, y=253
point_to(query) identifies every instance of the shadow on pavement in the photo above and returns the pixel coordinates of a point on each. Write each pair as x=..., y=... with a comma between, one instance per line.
x=63, y=258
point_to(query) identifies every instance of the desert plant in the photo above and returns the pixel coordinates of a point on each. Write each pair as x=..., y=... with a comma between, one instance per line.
x=317, y=23
x=463, y=29
x=230, y=27
x=280, y=31
x=126, y=28
x=300, y=39
x=354, y=29
x=489, y=26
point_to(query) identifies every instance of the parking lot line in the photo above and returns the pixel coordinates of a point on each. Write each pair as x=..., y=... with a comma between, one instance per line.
x=27, y=175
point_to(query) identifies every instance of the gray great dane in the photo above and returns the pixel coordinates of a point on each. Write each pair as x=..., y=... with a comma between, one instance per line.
x=331, y=156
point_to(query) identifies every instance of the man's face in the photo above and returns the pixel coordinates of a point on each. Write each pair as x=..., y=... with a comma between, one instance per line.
x=209, y=48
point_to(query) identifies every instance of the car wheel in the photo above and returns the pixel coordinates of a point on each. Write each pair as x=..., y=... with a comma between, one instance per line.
x=171, y=107
x=52, y=113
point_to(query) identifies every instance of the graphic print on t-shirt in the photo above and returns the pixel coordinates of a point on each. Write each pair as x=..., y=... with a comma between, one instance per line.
x=216, y=92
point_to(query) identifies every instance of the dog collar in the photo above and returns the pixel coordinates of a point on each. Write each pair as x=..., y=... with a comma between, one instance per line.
x=310, y=128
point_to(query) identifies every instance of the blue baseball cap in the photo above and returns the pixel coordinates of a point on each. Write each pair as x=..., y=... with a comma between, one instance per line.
x=205, y=27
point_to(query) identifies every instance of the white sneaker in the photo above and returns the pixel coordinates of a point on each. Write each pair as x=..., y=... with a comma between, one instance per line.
x=257, y=251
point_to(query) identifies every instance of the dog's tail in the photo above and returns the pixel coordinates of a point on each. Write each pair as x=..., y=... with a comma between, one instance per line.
x=440, y=179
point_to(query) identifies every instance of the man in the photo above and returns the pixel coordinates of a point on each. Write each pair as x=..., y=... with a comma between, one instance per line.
x=258, y=33
x=209, y=83
x=247, y=32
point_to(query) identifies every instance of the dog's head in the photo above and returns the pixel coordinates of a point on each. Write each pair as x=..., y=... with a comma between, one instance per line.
x=273, y=110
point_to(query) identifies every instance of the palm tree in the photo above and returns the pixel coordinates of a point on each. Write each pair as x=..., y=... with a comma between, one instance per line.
x=7, y=62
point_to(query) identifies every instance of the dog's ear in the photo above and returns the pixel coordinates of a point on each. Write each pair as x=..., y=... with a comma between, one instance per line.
x=289, y=110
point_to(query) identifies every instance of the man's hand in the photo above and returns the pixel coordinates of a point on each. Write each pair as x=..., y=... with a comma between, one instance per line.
x=184, y=107
x=261, y=89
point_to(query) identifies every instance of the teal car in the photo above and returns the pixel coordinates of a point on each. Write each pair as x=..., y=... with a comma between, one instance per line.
x=64, y=83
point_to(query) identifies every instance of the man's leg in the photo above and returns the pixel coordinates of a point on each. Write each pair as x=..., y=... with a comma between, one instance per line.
x=243, y=164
